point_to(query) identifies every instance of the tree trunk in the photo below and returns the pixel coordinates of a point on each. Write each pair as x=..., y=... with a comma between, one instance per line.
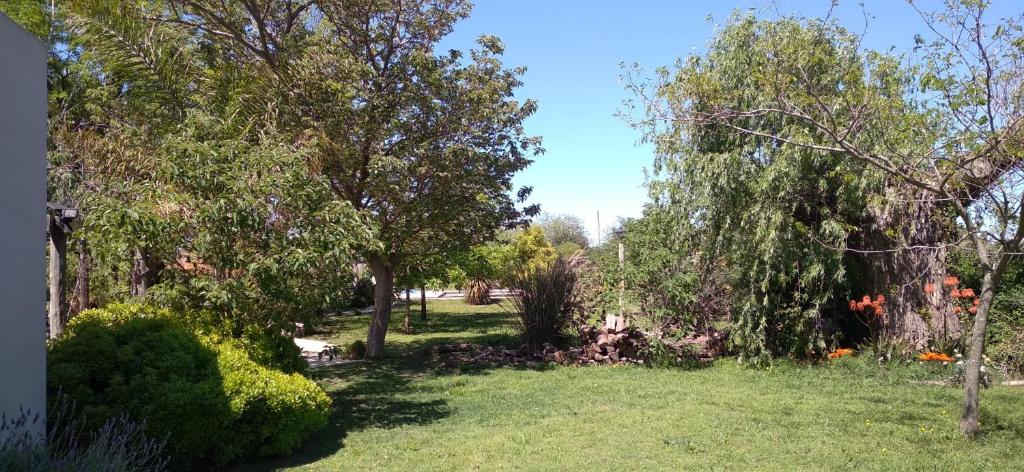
x=972, y=371
x=423, y=303
x=83, y=299
x=408, y=311
x=383, y=292
x=145, y=272
x=909, y=258
x=58, y=265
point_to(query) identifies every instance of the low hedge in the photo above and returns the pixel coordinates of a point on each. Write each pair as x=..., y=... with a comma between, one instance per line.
x=205, y=394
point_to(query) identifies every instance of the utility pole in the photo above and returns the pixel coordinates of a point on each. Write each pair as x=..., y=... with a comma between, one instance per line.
x=598, y=228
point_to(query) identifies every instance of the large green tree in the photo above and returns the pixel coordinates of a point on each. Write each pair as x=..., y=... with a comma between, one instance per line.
x=935, y=134
x=164, y=141
x=566, y=232
x=422, y=145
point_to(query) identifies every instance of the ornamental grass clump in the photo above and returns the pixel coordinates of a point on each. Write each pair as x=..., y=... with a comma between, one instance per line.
x=478, y=292
x=543, y=299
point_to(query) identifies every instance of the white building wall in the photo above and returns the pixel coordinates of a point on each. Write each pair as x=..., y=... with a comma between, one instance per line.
x=23, y=110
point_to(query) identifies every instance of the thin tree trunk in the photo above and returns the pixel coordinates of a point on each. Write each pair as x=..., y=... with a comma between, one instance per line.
x=145, y=272
x=82, y=297
x=972, y=373
x=58, y=265
x=408, y=311
x=138, y=274
x=423, y=303
x=383, y=292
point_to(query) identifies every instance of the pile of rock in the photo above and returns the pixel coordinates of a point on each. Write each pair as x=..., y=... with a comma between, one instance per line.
x=607, y=346
x=599, y=346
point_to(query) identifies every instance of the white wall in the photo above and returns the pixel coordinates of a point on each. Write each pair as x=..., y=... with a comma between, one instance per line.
x=22, y=221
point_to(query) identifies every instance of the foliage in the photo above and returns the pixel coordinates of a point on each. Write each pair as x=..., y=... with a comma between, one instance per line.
x=272, y=157
x=670, y=282
x=119, y=445
x=543, y=300
x=213, y=403
x=565, y=232
x=942, y=126
x=355, y=349
x=770, y=213
x=362, y=291
x=29, y=14
x=1005, y=338
x=513, y=252
x=162, y=144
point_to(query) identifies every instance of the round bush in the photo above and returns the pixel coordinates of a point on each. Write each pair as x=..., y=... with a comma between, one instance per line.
x=209, y=399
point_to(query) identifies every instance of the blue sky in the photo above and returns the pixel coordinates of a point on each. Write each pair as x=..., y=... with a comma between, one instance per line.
x=573, y=49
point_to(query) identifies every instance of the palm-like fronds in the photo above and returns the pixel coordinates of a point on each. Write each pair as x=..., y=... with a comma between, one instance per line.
x=147, y=55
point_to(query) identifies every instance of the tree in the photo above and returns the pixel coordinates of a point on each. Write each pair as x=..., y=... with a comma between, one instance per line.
x=30, y=14
x=565, y=232
x=182, y=179
x=422, y=145
x=941, y=129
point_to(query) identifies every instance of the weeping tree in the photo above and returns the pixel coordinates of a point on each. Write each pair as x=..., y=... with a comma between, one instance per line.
x=931, y=141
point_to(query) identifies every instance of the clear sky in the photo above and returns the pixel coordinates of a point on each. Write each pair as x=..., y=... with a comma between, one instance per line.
x=573, y=50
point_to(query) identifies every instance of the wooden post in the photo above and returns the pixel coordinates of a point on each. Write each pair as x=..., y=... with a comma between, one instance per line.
x=83, y=300
x=622, y=277
x=58, y=264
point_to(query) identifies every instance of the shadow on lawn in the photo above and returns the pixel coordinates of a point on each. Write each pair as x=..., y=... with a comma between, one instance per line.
x=375, y=394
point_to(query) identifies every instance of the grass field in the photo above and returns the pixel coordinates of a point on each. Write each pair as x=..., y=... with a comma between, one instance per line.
x=401, y=414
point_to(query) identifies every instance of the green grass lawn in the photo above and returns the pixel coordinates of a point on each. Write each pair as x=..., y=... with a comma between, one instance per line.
x=400, y=414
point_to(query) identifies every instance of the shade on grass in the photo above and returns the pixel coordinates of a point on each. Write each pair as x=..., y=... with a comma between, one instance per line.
x=400, y=414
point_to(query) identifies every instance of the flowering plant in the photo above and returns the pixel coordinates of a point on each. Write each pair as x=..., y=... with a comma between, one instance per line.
x=934, y=356
x=841, y=352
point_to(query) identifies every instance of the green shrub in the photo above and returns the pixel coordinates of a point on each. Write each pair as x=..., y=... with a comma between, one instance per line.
x=1006, y=330
x=210, y=400
x=272, y=412
x=362, y=291
x=355, y=350
x=269, y=348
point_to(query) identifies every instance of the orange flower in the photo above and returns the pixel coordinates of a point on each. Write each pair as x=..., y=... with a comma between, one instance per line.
x=972, y=310
x=976, y=301
x=841, y=352
x=967, y=293
x=880, y=299
x=951, y=281
x=934, y=356
x=955, y=293
x=866, y=300
x=853, y=305
x=929, y=288
x=957, y=310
